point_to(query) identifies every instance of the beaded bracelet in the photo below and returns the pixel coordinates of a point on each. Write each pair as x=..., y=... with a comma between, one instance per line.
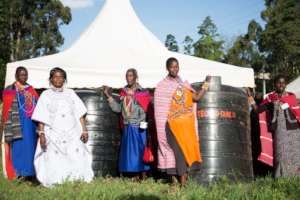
x=205, y=86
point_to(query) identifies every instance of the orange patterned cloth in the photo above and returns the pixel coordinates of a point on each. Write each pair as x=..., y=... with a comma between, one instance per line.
x=182, y=120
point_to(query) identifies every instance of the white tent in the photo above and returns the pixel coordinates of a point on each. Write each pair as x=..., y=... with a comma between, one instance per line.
x=294, y=87
x=116, y=41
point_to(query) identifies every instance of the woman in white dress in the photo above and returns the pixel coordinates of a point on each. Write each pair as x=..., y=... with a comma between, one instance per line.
x=61, y=154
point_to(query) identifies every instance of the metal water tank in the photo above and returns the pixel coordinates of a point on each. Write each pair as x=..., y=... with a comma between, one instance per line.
x=224, y=130
x=104, y=132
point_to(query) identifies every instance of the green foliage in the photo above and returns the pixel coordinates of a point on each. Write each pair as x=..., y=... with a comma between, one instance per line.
x=30, y=28
x=275, y=47
x=280, y=40
x=171, y=43
x=2, y=72
x=34, y=27
x=188, y=45
x=4, y=41
x=245, y=52
x=119, y=189
x=209, y=45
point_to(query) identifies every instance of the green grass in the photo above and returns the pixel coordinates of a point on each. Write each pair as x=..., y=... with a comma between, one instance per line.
x=123, y=189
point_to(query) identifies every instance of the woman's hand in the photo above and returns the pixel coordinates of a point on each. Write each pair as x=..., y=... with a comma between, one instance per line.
x=208, y=78
x=43, y=142
x=248, y=92
x=106, y=91
x=251, y=100
x=205, y=86
x=84, y=137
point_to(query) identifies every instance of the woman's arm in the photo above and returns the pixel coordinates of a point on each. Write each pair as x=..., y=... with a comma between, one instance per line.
x=259, y=108
x=200, y=94
x=41, y=134
x=84, y=136
x=115, y=106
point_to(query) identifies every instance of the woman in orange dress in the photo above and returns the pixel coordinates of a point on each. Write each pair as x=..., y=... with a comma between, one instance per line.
x=175, y=114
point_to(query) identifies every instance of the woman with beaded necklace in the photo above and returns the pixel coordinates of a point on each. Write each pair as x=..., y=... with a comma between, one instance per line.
x=19, y=139
x=133, y=104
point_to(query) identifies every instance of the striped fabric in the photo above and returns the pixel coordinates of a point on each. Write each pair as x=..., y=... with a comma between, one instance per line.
x=7, y=163
x=266, y=140
x=162, y=100
x=3, y=156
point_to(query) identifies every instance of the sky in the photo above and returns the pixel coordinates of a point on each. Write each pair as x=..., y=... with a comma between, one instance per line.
x=177, y=17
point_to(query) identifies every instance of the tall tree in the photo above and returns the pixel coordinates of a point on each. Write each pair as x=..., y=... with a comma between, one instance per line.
x=4, y=40
x=280, y=40
x=188, y=45
x=34, y=27
x=244, y=51
x=171, y=43
x=30, y=28
x=209, y=45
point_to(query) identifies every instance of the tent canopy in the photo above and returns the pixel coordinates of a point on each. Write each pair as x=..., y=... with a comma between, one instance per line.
x=294, y=87
x=116, y=41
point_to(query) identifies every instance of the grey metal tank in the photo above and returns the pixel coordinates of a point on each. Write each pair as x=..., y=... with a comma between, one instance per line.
x=104, y=132
x=224, y=130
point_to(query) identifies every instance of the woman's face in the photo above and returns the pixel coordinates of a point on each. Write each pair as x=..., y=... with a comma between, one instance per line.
x=22, y=77
x=280, y=85
x=58, y=80
x=130, y=78
x=173, y=69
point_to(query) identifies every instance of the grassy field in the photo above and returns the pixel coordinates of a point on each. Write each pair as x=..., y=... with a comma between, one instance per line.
x=123, y=189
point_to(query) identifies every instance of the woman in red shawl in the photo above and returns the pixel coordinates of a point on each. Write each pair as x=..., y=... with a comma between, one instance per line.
x=280, y=130
x=133, y=104
x=19, y=138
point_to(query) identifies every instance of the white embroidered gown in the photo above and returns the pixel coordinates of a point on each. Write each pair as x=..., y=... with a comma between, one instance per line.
x=66, y=157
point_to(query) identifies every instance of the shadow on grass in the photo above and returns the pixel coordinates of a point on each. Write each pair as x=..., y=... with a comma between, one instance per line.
x=139, y=197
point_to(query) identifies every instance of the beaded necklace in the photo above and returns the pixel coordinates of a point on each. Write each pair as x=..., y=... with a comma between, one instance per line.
x=28, y=106
x=128, y=100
